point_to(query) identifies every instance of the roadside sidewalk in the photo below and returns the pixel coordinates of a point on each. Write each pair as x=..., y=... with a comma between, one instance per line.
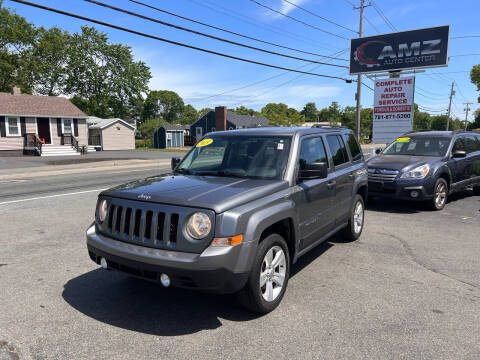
x=81, y=168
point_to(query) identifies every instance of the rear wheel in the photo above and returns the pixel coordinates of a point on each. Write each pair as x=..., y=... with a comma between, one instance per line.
x=440, y=194
x=355, y=224
x=268, y=279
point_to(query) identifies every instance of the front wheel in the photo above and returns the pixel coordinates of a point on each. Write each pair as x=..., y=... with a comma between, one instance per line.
x=268, y=279
x=355, y=224
x=440, y=194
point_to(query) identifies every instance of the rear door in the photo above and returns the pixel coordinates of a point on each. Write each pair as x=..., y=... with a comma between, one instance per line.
x=343, y=176
x=314, y=198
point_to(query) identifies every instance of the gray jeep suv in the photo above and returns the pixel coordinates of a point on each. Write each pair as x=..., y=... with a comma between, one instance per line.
x=236, y=212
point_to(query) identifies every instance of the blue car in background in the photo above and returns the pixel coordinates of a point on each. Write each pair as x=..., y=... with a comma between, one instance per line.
x=426, y=166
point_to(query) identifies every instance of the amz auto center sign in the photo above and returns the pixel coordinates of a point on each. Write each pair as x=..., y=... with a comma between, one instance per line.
x=422, y=48
x=393, y=108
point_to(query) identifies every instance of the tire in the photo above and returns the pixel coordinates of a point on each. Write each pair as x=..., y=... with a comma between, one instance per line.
x=357, y=218
x=476, y=190
x=440, y=195
x=255, y=297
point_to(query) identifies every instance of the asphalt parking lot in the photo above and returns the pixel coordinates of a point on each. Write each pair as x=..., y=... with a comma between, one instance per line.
x=408, y=289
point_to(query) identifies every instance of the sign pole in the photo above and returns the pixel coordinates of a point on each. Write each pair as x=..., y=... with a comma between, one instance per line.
x=467, y=104
x=359, y=77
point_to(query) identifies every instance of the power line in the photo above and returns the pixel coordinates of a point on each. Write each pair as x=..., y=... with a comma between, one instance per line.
x=233, y=32
x=383, y=16
x=99, y=22
x=299, y=21
x=259, y=81
x=318, y=16
x=371, y=24
x=465, y=37
x=473, y=54
x=281, y=31
x=208, y=35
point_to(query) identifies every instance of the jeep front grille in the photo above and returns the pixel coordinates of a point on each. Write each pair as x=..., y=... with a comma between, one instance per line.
x=384, y=175
x=143, y=226
x=153, y=225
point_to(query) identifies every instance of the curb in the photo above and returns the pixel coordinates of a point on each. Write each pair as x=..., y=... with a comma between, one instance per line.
x=52, y=170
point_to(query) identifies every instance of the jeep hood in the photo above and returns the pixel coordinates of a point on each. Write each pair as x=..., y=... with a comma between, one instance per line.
x=209, y=192
x=399, y=162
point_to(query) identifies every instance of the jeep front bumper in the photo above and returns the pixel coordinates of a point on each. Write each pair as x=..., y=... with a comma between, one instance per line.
x=216, y=269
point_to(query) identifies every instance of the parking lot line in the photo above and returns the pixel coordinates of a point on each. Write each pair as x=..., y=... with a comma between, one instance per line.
x=50, y=196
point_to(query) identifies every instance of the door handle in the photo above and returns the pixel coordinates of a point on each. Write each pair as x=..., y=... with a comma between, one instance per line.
x=331, y=184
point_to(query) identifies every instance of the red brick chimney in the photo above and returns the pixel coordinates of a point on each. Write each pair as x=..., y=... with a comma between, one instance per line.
x=220, y=118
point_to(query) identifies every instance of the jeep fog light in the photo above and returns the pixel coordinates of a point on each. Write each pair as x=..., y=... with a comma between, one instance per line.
x=102, y=210
x=199, y=225
x=229, y=241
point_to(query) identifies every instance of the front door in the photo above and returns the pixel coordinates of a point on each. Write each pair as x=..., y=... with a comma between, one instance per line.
x=460, y=165
x=198, y=133
x=43, y=125
x=314, y=198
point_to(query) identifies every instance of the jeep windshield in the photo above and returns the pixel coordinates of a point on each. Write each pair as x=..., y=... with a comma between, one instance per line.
x=418, y=146
x=261, y=157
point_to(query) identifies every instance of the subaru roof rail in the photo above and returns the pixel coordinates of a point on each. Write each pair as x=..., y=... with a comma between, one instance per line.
x=332, y=126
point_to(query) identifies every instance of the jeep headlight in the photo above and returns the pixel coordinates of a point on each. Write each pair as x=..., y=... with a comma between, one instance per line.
x=102, y=211
x=199, y=225
x=418, y=173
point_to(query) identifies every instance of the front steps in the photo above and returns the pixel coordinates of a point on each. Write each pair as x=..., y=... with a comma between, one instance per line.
x=62, y=150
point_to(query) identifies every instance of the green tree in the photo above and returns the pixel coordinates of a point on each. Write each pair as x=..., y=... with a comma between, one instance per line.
x=50, y=57
x=103, y=77
x=310, y=112
x=348, y=117
x=165, y=104
x=439, y=122
x=148, y=127
x=203, y=111
x=475, y=76
x=476, y=123
x=281, y=114
x=242, y=110
x=17, y=37
x=189, y=115
x=366, y=118
x=332, y=114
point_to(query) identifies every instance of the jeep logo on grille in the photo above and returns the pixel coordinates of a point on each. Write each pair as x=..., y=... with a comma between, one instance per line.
x=144, y=197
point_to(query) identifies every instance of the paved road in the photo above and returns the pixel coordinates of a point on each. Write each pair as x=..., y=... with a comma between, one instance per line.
x=408, y=289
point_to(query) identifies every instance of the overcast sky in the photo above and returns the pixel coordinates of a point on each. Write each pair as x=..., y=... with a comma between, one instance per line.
x=199, y=78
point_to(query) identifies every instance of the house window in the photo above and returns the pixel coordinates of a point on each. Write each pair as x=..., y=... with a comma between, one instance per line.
x=13, y=126
x=67, y=126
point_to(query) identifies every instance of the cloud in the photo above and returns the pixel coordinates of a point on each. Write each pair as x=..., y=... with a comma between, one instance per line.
x=283, y=7
x=286, y=7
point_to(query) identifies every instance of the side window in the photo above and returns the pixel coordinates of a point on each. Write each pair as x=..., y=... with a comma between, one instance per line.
x=312, y=151
x=477, y=137
x=472, y=144
x=353, y=147
x=338, y=150
x=459, y=145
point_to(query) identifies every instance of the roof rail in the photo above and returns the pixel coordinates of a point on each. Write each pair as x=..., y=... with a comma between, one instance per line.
x=320, y=126
x=466, y=131
x=418, y=130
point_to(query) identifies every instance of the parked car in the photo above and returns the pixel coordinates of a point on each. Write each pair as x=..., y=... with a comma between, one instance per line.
x=426, y=166
x=236, y=212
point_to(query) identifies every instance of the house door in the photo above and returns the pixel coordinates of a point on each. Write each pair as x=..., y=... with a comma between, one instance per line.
x=43, y=125
x=198, y=133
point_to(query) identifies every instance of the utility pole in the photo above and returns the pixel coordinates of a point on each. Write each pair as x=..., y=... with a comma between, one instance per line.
x=467, y=104
x=452, y=92
x=359, y=77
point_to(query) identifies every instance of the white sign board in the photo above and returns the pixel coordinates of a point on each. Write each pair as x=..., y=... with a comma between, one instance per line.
x=392, y=108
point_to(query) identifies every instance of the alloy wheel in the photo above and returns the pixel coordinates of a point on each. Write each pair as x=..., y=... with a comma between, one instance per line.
x=440, y=195
x=358, y=217
x=272, y=273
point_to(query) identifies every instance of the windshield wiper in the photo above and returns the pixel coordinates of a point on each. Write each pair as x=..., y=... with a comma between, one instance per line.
x=184, y=171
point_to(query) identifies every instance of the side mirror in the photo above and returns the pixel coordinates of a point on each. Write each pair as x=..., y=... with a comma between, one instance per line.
x=175, y=162
x=378, y=150
x=313, y=171
x=459, y=154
